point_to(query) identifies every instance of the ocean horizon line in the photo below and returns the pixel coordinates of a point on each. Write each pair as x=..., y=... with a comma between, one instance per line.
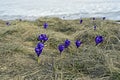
x=67, y=17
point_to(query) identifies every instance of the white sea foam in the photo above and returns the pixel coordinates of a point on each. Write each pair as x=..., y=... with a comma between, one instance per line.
x=31, y=9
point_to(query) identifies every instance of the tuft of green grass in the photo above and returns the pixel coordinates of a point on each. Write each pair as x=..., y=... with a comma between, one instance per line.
x=115, y=76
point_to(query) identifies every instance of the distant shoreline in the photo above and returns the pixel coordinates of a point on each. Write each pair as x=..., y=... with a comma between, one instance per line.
x=52, y=17
x=33, y=18
x=64, y=18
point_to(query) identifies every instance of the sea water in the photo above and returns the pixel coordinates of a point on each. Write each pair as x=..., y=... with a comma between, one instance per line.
x=70, y=9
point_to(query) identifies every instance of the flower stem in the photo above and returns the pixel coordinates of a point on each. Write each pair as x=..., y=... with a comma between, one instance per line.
x=61, y=66
x=38, y=60
x=53, y=68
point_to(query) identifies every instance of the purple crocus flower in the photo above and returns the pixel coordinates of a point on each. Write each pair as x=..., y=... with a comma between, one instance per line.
x=38, y=51
x=66, y=43
x=39, y=48
x=78, y=43
x=40, y=45
x=104, y=18
x=7, y=23
x=20, y=19
x=63, y=17
x=81, y=21
x=94, y=27
x=61, y=47
x=98, y=39
x=93, y=18
x=45, y=25
x=43, y=38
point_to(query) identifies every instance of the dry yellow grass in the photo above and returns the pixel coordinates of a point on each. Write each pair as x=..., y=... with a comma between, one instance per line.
x=18, y=60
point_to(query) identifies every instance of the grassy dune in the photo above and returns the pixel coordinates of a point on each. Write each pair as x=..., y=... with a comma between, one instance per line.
x=89, y=62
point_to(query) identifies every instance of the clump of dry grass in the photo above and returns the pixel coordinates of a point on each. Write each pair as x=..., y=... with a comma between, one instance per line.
x=89, y=62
